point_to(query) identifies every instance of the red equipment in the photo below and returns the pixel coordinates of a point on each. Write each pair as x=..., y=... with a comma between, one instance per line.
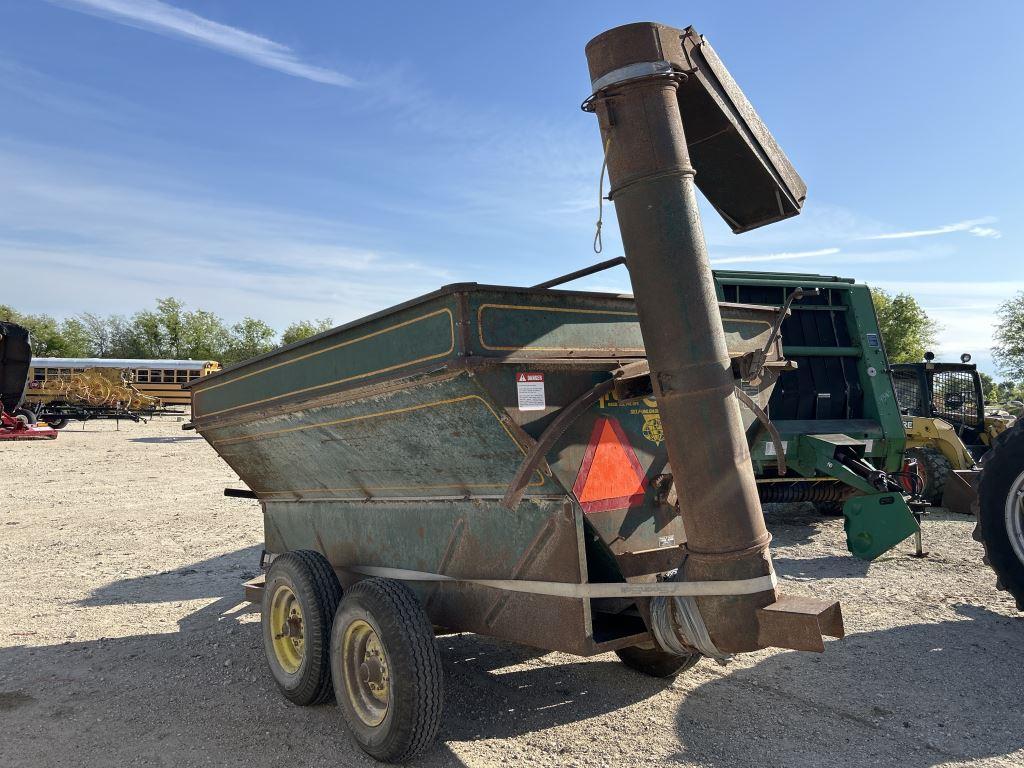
x=19, y=428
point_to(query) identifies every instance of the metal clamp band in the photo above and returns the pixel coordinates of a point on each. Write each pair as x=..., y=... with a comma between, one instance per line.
x=631, y=72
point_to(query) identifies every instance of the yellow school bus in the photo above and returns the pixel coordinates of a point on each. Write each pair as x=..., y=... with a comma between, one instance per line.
x=158, y=378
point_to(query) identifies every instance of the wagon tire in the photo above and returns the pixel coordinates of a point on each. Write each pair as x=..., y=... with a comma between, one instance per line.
x=57, y=423
x=299, y=601
x=655, y=663
x=387, y=672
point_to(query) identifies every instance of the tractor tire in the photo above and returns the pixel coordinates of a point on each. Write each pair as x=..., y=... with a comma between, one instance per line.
x=57, y=423
x=1000, y=512
x=934, y=469
x=655, y=663
x=299, y=601
x=387, y=670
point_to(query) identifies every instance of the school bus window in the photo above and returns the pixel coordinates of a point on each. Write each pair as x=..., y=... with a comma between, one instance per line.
x=181, y=377
x=142, y=376
x=193, y=375
x=39, y=374
x=168, y=376
x=154, y=377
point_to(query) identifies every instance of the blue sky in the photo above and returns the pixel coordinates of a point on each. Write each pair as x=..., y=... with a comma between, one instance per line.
x=291, y=160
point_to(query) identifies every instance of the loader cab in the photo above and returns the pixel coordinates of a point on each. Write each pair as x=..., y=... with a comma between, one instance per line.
x=948, y=391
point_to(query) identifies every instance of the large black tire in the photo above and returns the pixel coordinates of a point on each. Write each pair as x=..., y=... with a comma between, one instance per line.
x=1000, y=512
x=934, y=469
x=651, y=661
x=301, y=595
x=57, y=423
x=387, y=670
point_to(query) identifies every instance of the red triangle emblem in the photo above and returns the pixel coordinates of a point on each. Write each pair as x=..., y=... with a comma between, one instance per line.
x=610, y=476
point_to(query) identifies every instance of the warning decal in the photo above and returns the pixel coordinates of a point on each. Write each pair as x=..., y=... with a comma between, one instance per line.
x=610, y=476
x=530, y=389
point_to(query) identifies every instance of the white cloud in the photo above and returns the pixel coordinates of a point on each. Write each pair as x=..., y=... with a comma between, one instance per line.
x=971, y=226
x=103, y=239
x=775, y=256
x=164, y=19
x=995, y=234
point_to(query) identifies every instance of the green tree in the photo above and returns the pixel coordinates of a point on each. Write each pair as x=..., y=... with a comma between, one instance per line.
x=303, y=329
x=1009, y=337
x=203, y=336
x=249, y=338
x=906, y=329
x=73, y=337
x=46, y=333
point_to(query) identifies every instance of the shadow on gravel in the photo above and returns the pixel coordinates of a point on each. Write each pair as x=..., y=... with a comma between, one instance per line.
x=170, y=439
x=485, y=699
x=913, y=696
x=795, y=523
x=217, y=576
x=826, y=567
x=916, y=696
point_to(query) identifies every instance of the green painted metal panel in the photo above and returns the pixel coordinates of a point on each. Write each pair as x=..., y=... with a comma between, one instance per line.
x=469, y=539
x=354, y=356
x=441, y=436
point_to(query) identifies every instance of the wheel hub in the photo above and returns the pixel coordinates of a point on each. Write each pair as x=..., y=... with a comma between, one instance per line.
x=366, y=672
x=286, y=623
x=1014, y=516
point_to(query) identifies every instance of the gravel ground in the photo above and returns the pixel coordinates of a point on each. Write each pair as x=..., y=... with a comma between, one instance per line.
x=125, y=642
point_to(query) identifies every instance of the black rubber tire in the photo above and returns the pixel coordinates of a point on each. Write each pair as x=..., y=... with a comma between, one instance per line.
x=1002, y=468
x=312, y=579
x=934, y=469
x=30, y=415
x=828, y=508
x=655, y=663
x=57, y=423
x=416, y=680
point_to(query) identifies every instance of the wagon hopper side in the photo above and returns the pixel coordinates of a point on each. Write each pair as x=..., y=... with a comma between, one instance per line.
x=393, y=443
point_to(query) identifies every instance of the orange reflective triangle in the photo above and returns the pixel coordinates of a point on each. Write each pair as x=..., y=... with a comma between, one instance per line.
x=610, y=476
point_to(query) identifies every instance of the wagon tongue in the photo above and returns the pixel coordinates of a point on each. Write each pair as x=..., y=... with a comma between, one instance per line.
x=648, y=80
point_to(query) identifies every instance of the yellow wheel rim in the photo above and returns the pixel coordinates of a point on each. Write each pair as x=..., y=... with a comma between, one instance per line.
x=286, y=626
x=366, y=672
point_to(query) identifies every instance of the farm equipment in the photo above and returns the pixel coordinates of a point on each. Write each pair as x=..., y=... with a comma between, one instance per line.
x=1000, y=510
x=90, y=393
x=838, y=393
x=452, y=462
x=948, y=431
x=16, y=422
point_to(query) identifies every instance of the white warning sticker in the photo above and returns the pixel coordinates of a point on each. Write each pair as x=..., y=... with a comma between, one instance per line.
x=530, y=388
x=769, y=447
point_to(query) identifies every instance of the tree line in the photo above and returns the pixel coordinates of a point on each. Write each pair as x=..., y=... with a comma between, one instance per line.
x=171, y=331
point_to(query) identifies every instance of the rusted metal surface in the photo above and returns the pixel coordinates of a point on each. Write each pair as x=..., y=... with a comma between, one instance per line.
x=652, y=185
x=254, y=589
x=961, y=491
x=799, y=623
